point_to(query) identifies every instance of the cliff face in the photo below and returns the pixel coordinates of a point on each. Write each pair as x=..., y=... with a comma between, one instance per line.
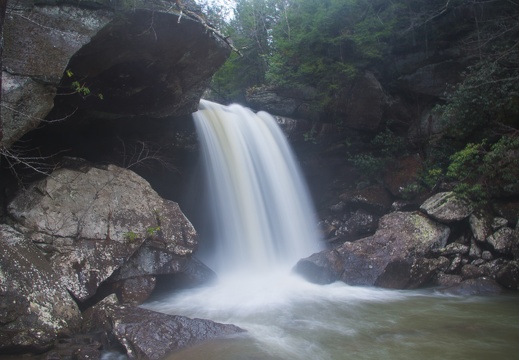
x=99, y=61
x=107, y=81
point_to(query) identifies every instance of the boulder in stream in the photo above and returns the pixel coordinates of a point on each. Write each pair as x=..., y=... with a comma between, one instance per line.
x=396, y=256
x=147, y=334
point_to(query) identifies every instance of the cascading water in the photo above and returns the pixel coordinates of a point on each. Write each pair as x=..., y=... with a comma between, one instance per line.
x=263, y=225
x=261, y=210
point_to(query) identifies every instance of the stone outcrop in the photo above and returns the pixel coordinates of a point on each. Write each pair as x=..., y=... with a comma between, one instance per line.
x=109, y=57
x=90, y=232
x=35, y=307
x=446, y=244
x=447, y=207
x=130, y=328
x=90, y=221
x=394, y=257
x=362, y=105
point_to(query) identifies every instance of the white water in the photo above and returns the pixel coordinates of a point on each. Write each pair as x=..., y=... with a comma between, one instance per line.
x=259, y=204
x=265, y=225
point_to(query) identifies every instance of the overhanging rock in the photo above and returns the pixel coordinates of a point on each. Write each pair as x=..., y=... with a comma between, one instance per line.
x=145, y=60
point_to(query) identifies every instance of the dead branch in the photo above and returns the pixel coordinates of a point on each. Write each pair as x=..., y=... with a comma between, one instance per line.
x=183, y=10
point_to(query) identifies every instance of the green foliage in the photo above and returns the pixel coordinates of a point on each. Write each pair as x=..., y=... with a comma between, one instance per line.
x=484, y=170
x=386, y=147
x=389, y=143
x=81, y=88
x=489, y=95
x=130, y=236
x=431, y=176
x=369, y=165
x=152, y=230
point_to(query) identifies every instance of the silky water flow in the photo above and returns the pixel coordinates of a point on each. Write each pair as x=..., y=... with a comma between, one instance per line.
x=262, y=224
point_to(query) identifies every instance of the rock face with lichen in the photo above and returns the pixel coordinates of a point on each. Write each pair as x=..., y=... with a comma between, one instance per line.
x=90, y=221
x=86, y=231
x=394, y=257
x=35, y=307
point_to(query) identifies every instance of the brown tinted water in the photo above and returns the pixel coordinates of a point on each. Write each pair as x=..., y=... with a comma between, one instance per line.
x=339, y=322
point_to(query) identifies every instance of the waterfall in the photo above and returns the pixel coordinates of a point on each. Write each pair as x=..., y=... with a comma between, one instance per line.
x=258, y=201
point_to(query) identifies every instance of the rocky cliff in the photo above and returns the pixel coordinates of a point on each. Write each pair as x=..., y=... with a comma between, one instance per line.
x=107, y=81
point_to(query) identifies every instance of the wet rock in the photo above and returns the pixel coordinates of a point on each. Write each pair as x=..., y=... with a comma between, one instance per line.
x=471, y=271
x=135, y=291
x=35, y=307
x=183, y=271
x=95, y=220
x=508, y=276
x=393, y=257
x=447, y=280
x=147, y=334
x=447, y=207
x=472, y=287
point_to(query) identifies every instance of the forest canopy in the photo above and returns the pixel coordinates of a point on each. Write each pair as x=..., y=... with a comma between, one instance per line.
x=326, y=44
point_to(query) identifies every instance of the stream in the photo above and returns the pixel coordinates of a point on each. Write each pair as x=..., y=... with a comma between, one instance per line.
x=288, y=318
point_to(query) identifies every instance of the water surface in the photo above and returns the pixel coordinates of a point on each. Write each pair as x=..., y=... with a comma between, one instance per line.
x=288, y=318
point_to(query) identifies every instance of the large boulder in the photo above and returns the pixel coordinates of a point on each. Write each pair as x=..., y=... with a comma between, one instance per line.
x=447, y=207
x=290, y=102
x=114, y=58
x=396, y=256
x=35, y=307
x=91, y=221
x=146, y=334
x=362, y=104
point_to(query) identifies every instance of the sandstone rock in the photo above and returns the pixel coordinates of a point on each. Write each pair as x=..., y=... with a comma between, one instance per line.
x=498, y=223
x=35, y=307
x=393, y=257
x=95, y=220
x=454, y=249
x=470, y=271
x=290, y=102
x=472, y=287
x=475, y=251
x=156, y=261
x=373, y=199
x=433, y=79
x=508, y=276
x=34, y=65
x=141, y=57
x=446, y=207
x=150, y=335
x=480, y=224
x=363, y=104
x=135, y=291
x=447, y=280
x=503, y=240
